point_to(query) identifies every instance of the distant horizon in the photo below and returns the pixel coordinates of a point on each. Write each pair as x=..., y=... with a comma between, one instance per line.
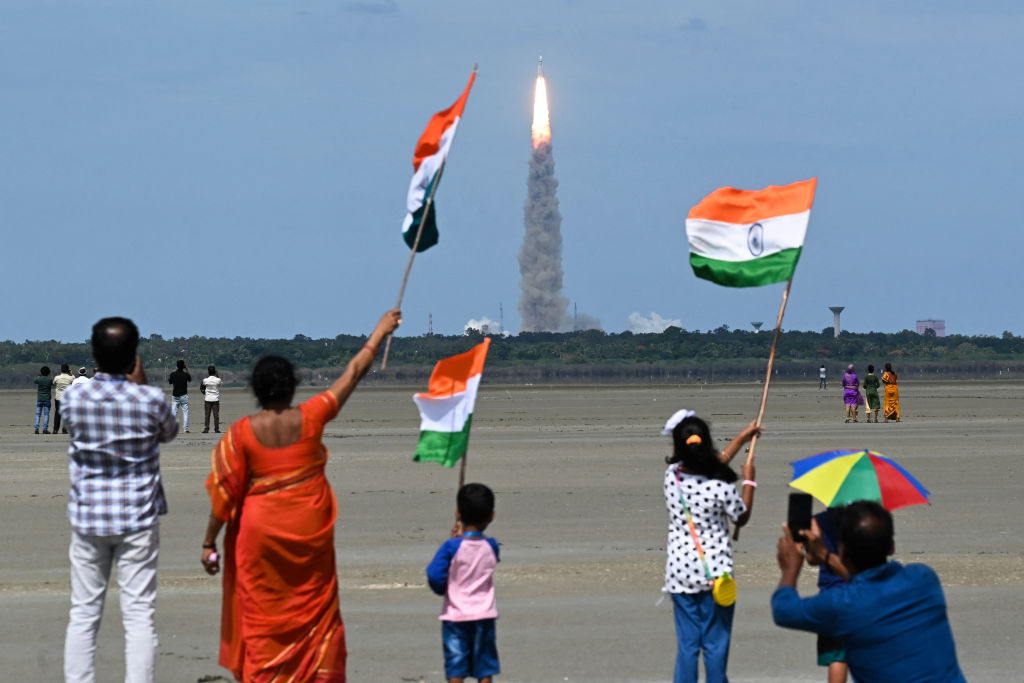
x=764, y=330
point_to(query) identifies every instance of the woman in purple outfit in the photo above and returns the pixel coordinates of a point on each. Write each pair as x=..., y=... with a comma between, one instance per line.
x=851, y=393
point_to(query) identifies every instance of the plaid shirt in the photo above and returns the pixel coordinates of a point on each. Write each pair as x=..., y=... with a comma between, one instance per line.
x=116, y=426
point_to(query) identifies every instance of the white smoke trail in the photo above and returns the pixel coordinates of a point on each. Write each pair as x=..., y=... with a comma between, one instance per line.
x=654, y=323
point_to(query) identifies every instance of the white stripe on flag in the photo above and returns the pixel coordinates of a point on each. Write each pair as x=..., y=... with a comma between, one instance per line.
x=448, y=413
x=428, y=168
x=732, y=241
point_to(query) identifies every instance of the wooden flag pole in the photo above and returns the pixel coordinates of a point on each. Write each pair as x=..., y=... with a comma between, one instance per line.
x=457, y=526
x=419, y=232
x=767, y=380
x=462, y=470
x=412, y=257
x=771, y=362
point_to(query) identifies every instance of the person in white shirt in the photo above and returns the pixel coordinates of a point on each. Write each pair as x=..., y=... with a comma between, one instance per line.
x=211, y=395
x=82, y=377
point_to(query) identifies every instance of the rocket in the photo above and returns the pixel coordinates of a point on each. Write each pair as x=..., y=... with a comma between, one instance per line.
x=540, y=66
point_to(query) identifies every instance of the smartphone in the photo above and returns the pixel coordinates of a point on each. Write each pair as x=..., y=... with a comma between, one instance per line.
x=798, y=517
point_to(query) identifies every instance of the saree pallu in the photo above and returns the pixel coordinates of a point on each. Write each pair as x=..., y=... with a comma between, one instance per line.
x=892, y=396
x=280, y=618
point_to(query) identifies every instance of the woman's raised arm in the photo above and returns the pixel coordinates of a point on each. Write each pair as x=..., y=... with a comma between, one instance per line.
x=363, y=359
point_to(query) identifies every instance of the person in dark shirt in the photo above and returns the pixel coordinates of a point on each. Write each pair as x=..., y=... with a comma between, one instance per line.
x=179, y=380
x=891, y=619
x=44, y=382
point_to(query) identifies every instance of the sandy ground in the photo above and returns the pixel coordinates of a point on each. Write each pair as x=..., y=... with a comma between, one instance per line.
x=577, y=473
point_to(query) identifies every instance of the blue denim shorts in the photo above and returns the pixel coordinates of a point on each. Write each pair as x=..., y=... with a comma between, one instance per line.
x=470, y=649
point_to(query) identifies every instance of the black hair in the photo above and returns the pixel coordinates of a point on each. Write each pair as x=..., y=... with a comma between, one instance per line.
x=475, y=503
x=273, y=380
x=866, y=532
x=45, y=370
x=871, y=368
x=888, y=366
x=181, y=364
x=698, y=456
x=114, y=341
x=212, y=370
x=64, y=367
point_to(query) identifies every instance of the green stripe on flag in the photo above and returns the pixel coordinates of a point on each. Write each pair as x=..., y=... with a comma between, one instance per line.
x=443, y=447
x=777, y=267
x=430, y=236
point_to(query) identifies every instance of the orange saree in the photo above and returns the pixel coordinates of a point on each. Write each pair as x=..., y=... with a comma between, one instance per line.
x=891, y=407
x=280, y=619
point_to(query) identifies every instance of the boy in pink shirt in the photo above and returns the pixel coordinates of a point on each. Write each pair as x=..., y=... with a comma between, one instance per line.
x=461, y=572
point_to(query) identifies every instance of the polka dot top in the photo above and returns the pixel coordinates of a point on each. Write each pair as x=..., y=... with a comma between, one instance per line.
x=712, y=503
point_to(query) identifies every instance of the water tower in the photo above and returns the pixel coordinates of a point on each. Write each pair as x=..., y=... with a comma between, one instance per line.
x=836, y=310
x=757, y=326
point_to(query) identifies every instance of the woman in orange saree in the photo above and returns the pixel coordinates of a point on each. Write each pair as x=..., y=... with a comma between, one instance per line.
x=280, y=619
x=891, y=407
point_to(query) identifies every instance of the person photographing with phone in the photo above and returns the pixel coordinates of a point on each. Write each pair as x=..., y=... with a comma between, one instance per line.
x=701, y=499
x=891, y=619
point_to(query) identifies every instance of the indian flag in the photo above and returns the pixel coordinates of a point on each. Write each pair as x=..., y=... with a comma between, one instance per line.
x=747, y=238
x=446, y=410
x=427, y=161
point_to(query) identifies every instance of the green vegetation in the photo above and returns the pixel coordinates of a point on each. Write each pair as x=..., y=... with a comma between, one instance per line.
x=673, y=356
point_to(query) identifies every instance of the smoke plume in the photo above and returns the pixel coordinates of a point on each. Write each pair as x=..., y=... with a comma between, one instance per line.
x=542, y=306
x=639, y=324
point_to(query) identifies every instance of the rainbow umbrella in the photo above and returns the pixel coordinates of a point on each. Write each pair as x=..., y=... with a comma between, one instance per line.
x=841, y=477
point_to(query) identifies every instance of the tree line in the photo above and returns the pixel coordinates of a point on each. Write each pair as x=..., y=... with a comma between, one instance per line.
x=675, y=355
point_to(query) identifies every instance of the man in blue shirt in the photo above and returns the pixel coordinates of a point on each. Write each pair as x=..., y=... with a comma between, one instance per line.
x=890, y=618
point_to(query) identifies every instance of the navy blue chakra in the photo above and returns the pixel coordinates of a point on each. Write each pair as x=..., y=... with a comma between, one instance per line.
x=755, y=239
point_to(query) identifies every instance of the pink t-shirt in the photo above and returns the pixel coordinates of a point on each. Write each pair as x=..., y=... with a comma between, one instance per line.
x=462, y=571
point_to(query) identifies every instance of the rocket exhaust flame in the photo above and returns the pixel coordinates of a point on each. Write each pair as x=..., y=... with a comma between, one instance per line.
x=541, y=129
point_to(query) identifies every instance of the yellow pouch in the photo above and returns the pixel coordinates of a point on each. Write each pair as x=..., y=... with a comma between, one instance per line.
x=724, y=591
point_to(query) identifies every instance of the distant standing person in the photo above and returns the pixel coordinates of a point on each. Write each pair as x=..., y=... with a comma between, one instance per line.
x=117, y=424
x=892, y=394
x=821, y=378
x=211, y=399
x=82, y=377
x=61, y=382
x=871, y=384
x=179, y=380
x=44, y=383
x=851, y=393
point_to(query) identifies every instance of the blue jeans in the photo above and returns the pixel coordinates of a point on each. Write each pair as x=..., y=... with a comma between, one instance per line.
x=43, y=409
x=181, y=401
x=701, y=625
x=470, y=649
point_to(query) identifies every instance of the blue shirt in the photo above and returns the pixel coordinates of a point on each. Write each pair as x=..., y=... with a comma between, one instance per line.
x=891, y=620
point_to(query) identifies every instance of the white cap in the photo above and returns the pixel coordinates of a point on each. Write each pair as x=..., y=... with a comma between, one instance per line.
x=676, y=418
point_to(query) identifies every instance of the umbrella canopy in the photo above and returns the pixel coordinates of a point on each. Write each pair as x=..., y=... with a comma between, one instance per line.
x=841, y=477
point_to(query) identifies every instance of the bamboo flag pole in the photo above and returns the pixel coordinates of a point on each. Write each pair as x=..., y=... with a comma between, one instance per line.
x=767, y=381
x=771, y=362
x=412, y=256
x=419, y=232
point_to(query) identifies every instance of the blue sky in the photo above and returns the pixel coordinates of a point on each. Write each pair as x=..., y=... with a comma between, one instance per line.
x=240, y=168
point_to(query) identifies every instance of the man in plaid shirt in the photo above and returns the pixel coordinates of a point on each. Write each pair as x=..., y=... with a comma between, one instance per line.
x=116, y=424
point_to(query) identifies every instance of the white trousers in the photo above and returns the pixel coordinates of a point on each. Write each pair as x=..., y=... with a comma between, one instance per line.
x=92, y=557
